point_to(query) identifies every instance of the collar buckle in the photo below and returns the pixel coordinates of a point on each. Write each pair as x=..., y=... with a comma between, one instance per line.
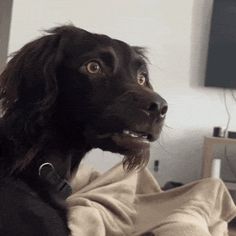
x=48, y=173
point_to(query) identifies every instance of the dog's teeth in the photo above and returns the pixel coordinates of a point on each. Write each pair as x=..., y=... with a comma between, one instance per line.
x=126, y=132
x=145, y=141
x=133, y=135
x=130, y=133
x=140, y=138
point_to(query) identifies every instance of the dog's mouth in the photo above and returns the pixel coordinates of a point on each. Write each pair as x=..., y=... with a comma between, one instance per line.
x=129, y=139
x=138, y=136
x=129, y=135
x=134, y=145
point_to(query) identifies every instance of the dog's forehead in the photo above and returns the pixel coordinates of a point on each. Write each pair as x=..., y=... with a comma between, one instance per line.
x=91, y=42
x=81, y=46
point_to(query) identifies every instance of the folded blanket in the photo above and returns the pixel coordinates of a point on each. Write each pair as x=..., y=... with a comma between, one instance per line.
x=117, y=203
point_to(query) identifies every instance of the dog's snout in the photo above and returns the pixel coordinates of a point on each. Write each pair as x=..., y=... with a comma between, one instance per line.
x=158, y=107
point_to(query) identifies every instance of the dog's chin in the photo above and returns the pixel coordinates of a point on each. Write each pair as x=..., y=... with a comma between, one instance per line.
x=135, y=147
x=136, y=153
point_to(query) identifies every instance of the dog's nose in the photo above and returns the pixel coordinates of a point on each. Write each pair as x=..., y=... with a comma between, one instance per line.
x=159, y=108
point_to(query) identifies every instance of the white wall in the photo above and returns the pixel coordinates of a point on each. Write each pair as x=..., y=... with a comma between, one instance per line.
x=176, y=33
x=5, y=19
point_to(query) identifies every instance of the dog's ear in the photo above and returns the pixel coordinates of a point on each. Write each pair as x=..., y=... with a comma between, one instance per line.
x=29, y=88
x=30, y=76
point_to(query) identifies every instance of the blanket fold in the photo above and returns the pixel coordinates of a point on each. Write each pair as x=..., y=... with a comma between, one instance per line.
x=117, y=203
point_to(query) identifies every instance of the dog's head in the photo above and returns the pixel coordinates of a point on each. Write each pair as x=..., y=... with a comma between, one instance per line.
x=85, y=90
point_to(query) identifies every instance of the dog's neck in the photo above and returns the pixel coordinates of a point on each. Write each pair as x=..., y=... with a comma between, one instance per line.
x=50, y=175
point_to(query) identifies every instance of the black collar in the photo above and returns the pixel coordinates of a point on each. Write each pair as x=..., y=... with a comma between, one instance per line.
x=48, y=174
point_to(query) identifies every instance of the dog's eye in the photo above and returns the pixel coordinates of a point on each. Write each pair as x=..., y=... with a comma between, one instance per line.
x=141, y=78
x=93, y=67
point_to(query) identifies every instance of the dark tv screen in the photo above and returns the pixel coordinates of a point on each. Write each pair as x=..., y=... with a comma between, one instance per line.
x=221, y=62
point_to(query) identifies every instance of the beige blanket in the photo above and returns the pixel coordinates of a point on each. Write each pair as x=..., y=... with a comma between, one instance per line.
x=117, y=204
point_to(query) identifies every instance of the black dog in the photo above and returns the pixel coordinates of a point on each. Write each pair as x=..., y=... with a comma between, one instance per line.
x=62, y=95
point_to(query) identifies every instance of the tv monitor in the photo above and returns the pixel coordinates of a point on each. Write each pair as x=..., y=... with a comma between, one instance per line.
x=221, y=62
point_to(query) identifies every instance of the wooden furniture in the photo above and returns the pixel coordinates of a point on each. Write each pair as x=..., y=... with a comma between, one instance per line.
x=208, y=156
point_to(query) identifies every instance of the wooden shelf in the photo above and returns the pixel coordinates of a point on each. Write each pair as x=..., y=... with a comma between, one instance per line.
x=208, y=150
x=216, y=140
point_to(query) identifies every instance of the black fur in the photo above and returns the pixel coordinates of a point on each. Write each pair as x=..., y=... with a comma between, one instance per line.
x=55, y=110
